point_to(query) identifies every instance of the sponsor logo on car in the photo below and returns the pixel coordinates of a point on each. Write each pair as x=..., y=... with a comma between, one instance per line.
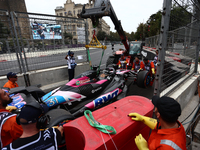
x=95, y=90
x=106, y=97
x=82, y=81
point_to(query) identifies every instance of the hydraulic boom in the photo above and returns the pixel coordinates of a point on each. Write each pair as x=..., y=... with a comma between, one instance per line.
x=104, y=8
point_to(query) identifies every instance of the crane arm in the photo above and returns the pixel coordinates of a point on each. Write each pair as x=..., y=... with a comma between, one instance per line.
x=104, y=8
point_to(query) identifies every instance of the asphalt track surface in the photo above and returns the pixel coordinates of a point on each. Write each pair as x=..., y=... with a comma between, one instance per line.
x=59, y=59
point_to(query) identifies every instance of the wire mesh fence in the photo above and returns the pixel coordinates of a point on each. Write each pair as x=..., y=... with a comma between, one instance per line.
x=8, y=47
x=43, y=41
x=152, y=41
x=179, y=46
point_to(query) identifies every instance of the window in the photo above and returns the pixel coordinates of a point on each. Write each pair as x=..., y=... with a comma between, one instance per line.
x=73, y=27
x=79, y=11
x=74, y=33
x=69, y=13
x=79, y=25
x=61, y=14
x=69, y=27
x=65, y=27
x=65, y=13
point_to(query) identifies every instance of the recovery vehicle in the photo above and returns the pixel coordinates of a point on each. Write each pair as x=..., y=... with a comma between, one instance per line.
x=104, y=8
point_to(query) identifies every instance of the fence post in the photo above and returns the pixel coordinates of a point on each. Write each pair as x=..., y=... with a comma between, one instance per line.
x=86, y=37
x=22, y=44
x=11, y=31
x=54, y=44
x=43, y=45
x=198, y=40
x=162, y=45
x=62, y=33
x=185, y=40
x=7, y=45
x=197, y=53
x=172, y=41
x=27, y=82
x=28, y=45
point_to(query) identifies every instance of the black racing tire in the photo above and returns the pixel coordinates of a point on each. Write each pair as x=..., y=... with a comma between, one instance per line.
x=143, y=79
x=110, y=60
x=57, y=116
x=36, y=92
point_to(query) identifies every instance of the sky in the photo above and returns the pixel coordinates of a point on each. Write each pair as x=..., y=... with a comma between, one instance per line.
x=130, y=12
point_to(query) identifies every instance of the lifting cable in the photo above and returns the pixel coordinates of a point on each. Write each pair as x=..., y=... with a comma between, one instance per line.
x=102, y=128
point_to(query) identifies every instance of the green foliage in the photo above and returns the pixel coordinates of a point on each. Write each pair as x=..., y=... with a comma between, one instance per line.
x=114, y=36
x=68, y=35
x=153, y=24
x=4, y=32
x=179, y=17
x=140, y=32
x=101, y=35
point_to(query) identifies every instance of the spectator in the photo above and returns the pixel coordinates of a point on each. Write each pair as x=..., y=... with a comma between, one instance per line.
x=136, y=64
x=122, y=63
x=10, y=130
x=12, y=78
x=149, y=66
x=71, y=64
x=32, y=119
x=168, y=133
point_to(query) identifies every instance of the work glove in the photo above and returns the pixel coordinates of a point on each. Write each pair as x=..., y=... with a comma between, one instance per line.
x=132, y=69
x=153, y=71
x=141, y=143
x=139, y=70
x=119, y=65
x=11, y=108
x=150, y=122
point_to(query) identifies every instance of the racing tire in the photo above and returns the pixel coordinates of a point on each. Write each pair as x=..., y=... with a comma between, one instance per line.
x=58, y=116
x=143, y=79
x=110, y=60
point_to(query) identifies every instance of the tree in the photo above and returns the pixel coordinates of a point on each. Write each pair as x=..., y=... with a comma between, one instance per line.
x=140, y=33
x=153, y=24
x=68, y=36
x=101, y=35
x=179, y=16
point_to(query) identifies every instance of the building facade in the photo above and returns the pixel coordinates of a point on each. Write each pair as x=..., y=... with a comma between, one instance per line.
x=16, y=5
x=71, y=9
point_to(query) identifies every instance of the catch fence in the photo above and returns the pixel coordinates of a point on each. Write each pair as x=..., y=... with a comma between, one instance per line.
x=39, y=41
x=177, y=44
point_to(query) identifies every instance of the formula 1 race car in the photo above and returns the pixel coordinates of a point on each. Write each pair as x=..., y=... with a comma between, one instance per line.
x=90, y=90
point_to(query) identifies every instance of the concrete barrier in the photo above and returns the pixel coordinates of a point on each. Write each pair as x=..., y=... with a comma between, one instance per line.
x=48, y=78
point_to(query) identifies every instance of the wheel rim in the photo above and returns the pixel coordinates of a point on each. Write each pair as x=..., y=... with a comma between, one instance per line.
x=148, y=79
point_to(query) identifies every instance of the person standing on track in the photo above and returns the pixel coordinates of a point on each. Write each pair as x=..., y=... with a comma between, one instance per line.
x=147, y=65
x=71, y=64
x=136, y=64
x=122, y=63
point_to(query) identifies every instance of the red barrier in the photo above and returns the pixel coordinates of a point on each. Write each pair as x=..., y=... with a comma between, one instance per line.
x=175, y=53
x=79, y=135
x=176, y=59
